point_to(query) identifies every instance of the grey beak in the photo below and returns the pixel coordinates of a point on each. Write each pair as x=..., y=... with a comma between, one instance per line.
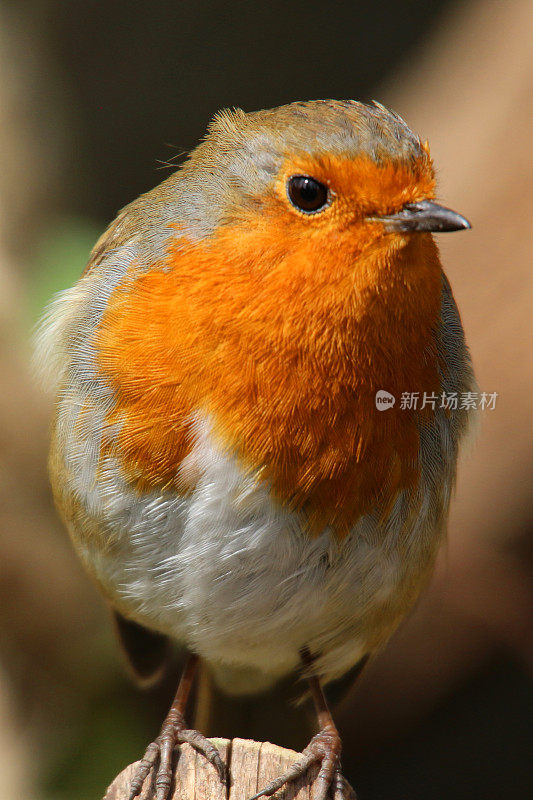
x=424, y=216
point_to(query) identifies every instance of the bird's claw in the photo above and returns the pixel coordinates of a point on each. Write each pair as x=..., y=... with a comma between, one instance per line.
x=325, y=747
x=162, y=748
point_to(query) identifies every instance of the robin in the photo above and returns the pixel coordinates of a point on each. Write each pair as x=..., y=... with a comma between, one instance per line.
x=231, y=451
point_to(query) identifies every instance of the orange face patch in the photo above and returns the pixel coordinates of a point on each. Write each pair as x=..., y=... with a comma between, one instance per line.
x=282, y=327
x=363, y=188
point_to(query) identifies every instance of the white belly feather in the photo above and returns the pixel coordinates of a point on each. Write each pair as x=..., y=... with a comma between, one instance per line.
x=233, y=576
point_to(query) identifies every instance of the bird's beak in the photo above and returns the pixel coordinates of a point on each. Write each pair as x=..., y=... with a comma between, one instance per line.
x=424, y=216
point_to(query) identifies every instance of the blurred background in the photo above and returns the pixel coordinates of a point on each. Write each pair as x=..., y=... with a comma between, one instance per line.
x=99, y=101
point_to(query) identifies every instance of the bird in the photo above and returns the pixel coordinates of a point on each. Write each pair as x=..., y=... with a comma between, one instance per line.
x=219, y=454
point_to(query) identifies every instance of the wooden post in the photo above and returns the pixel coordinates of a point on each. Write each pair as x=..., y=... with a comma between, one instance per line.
x=252, y=765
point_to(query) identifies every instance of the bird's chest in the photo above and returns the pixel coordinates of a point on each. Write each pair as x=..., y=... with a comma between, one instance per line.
x=288, y=379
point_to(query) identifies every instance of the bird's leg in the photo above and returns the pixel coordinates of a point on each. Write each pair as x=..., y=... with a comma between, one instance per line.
x=174, y=731
x=325, y=747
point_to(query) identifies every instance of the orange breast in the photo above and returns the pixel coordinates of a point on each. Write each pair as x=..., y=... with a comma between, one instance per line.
x=283, y=341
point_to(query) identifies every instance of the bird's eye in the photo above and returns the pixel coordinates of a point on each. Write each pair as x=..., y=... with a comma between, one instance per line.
x=307, y=194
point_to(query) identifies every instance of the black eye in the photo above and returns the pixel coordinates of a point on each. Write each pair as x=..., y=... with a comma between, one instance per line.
x=307, y=194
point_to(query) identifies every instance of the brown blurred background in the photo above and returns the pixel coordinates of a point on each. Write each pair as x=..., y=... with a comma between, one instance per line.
x=97, y=99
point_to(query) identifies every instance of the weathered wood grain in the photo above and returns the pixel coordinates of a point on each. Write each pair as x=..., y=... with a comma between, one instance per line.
x=252, y=765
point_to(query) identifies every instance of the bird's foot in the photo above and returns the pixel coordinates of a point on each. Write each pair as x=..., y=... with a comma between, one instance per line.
x=325, y=747
x=160, y=751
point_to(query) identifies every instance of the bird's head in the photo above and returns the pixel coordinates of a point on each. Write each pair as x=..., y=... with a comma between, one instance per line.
x=321, y=174
x=325, y=200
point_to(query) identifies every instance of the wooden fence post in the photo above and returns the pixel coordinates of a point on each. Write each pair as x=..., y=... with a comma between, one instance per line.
x=252, y=765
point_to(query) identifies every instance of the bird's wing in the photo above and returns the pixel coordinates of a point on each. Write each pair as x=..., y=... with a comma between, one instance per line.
x=146, y=651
